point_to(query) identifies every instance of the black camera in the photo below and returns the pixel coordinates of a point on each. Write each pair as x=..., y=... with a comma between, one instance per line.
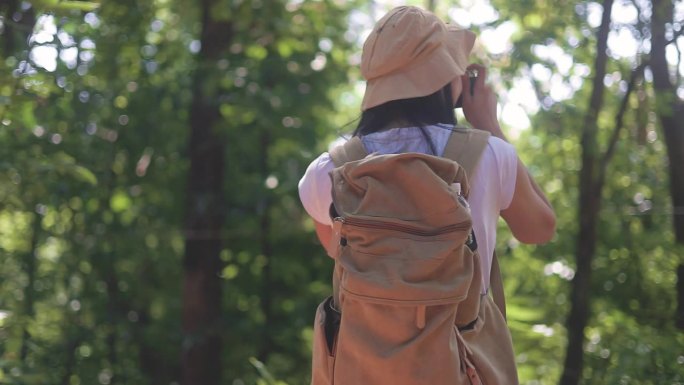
x=472, y=76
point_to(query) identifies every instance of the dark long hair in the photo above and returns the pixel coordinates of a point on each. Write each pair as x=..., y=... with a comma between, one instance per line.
x=418, y=112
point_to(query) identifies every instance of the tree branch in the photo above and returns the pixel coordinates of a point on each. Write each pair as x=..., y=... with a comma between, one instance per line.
x=675, y=37
x=679, y=62
x=637, y=73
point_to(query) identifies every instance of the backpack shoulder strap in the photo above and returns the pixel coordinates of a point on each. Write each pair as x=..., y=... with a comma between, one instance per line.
x=465, y=146
x=350, y=151
x=496, y=286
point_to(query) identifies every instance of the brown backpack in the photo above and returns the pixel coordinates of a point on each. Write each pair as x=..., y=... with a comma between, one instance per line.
x=407, y=307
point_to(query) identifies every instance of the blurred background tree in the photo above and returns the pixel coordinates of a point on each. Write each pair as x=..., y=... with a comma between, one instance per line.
x=150, y=229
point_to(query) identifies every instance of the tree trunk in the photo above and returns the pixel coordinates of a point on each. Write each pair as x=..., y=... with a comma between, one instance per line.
x=431, y=5
x=589, y=206
x=113, y=310
x=150, y=359
x=201, y=350
x=18, y=25
x=29, y=291
x=670, y=110
x=267, y=251
x=17, y=28
x=69, y=365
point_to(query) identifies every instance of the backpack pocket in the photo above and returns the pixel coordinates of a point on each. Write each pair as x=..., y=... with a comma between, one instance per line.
x=326, y=327
x=386, y=344
x=391, y=262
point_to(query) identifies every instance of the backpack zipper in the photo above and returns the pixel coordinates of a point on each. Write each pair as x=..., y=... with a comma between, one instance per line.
x=371, y=224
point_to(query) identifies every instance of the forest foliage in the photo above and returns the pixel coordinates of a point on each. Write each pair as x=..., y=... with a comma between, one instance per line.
x=95, y=106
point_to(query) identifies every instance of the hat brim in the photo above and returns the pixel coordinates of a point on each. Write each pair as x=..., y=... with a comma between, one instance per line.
x=426, y=77
x=460, y=44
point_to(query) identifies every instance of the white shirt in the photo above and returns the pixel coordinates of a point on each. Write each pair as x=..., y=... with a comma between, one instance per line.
x=491, y=186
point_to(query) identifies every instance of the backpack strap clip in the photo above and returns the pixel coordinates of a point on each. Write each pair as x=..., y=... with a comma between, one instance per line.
x=336, y=239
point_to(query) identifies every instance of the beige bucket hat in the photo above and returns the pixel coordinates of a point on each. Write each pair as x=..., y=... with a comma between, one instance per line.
x=412, y=53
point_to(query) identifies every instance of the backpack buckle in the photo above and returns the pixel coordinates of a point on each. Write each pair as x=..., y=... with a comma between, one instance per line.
x=471, y=242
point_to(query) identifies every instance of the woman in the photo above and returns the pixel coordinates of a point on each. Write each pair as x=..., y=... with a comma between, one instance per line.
x=415, y=71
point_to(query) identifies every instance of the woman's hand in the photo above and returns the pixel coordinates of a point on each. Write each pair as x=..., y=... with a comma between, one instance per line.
x=530, y=216
x=479, y=107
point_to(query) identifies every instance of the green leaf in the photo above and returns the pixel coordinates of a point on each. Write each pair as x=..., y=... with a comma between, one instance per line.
x=83, y=174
